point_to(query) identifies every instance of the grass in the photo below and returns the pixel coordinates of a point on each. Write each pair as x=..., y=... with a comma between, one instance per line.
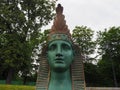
x=16, y=87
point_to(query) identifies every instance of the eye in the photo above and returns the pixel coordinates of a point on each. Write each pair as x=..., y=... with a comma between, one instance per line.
x=52, y=47
x=66, y=47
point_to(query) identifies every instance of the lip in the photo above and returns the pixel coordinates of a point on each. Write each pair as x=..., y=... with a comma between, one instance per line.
x=59, y=60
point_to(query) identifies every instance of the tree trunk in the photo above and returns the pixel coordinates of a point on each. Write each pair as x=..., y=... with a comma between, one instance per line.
x=9, y=76
x=24, y=80
x=114, y=75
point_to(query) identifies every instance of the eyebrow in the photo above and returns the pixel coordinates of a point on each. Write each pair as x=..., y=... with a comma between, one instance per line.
x=66, y=44
x=53, y=43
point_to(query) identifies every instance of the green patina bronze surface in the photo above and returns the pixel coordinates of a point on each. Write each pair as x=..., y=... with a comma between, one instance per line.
x=60, y=56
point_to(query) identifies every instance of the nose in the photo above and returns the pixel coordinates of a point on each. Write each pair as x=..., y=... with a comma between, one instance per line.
x=59, y=55
x=59, y=52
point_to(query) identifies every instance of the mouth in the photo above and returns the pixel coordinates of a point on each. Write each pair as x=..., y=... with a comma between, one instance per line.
x=59, y=60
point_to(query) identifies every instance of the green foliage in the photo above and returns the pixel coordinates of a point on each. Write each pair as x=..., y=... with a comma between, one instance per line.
x=92, y=75
x=104, y=67
x=109, y=44
x=18, y=82
x=20, y=23
x=16, y=87
x=109, y=49
x=109, y=41
x=83, y=37
x=44, y=36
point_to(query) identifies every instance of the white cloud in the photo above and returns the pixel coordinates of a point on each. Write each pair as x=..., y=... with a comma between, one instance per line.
x=96, y=14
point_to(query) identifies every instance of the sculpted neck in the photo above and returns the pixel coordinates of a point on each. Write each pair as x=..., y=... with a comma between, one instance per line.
x=60, y=81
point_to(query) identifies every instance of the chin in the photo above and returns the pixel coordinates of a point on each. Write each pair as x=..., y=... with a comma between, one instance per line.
x=60, y=68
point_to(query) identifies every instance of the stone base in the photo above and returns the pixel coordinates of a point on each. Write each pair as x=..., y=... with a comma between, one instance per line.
x=102, y=88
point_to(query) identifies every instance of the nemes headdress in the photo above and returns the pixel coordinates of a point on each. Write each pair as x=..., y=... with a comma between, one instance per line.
x=60, y=31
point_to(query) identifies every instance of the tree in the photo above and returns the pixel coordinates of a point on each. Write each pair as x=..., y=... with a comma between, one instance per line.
x=109, y=46
x=83, y=37
x=104, y=67
x=92, y=75
x=20, y=23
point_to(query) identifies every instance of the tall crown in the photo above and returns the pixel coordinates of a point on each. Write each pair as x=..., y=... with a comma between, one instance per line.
x=59, y=29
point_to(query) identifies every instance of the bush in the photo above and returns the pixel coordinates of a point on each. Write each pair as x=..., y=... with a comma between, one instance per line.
x=16, y=87
x=18, y=83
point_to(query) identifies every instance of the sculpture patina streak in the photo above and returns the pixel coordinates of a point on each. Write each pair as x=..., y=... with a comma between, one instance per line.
x=61, y=66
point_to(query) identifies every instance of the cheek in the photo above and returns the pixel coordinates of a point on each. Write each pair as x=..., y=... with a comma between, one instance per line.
x=49, y=59
x=70, y=57
x=50, y=56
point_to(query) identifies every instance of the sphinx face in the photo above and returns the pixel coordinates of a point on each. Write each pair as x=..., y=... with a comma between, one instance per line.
x=60, y=55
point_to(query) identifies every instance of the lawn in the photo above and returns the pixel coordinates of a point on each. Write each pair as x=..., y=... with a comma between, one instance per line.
x=16, y=87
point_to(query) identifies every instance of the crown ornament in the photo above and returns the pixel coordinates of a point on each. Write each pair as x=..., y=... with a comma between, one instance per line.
x=59, y=29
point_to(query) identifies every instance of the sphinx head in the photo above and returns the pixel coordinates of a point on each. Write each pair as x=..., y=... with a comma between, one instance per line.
x=60, y=55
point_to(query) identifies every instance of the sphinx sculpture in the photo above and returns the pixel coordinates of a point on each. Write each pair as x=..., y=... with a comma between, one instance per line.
x=61, y=66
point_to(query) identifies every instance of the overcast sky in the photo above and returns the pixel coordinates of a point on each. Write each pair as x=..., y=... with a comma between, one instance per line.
x=95, y=14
